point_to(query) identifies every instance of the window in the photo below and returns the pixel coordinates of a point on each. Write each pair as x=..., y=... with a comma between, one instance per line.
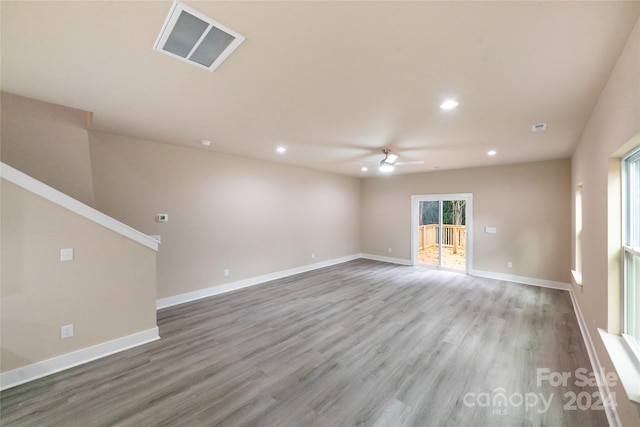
x=631, y=249
x=577, y=271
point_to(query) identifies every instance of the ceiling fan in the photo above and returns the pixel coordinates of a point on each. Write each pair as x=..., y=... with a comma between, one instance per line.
x=389, y=162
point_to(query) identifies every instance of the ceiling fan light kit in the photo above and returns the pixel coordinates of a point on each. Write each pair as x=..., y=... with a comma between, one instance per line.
x=386, y=164
x=386, y=167
x=389, y=163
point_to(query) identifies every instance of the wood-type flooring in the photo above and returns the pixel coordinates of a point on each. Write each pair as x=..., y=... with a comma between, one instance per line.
x=362, y=343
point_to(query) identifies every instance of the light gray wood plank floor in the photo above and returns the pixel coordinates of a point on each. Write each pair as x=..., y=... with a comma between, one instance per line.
x=361, y=343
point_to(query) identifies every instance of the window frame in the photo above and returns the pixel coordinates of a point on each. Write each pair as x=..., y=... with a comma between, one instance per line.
x=630, y=244
x=576, y=272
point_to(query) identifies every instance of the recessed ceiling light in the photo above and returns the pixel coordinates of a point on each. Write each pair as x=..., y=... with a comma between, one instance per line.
x=281, y=149
x=205, y=142
x=364, y=169
x=449, y=104
x=492, y=153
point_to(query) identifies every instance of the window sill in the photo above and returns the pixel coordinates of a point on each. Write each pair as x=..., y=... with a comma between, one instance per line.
x=626, y=363
x=577, y=277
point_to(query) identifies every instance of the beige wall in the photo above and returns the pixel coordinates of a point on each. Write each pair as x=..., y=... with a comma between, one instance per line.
x=254, y=217
x=613, y=123
x=529, y=205
x=47, y=142
x=106, y=292
x=225, y=212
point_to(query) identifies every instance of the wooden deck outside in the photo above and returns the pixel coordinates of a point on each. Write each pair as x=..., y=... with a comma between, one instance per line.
x=453, y=248
x=449, y=259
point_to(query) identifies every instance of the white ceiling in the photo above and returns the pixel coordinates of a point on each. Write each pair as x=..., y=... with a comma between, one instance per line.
x=334, y=82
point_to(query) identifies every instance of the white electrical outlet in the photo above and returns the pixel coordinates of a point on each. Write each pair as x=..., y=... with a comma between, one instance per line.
x=226, y=272
x=509, y=264
x=389, y=250
x=66, y=331
x=313, y=255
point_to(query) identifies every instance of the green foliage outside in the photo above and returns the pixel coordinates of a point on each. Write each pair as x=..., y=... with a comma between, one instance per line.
x=453, y=212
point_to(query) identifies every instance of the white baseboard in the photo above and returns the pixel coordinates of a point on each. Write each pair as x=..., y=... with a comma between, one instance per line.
x=521, y=279
x=233, y=286
x=386, y=259
x=59, y=363
x=596, y=368
x=252, y=281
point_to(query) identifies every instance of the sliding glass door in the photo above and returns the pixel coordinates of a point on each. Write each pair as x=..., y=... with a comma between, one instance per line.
x=440, y=231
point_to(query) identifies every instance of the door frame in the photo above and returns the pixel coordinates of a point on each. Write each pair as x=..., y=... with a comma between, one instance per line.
x=415, y=223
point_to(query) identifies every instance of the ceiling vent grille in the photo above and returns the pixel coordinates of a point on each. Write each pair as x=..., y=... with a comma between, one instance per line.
x=195, y=38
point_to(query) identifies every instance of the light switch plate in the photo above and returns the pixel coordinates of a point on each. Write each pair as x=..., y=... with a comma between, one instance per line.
x=66, y=254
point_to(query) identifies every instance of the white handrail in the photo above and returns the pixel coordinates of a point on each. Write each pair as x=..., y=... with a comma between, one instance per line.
x=43, y=190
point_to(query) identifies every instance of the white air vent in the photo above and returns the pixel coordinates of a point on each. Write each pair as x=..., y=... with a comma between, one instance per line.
x=195, y=38
x=538, y=127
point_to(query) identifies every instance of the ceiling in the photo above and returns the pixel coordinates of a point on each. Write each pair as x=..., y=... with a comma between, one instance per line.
x=333, y=82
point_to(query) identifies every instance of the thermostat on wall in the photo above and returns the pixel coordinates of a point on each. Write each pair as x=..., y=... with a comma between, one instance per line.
x=162, y=218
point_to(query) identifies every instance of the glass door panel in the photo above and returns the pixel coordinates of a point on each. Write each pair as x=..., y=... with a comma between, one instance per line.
x=454, y=233
x=429, y=233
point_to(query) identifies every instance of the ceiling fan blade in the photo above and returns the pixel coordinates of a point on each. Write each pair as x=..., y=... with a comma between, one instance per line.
x=413, y=162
